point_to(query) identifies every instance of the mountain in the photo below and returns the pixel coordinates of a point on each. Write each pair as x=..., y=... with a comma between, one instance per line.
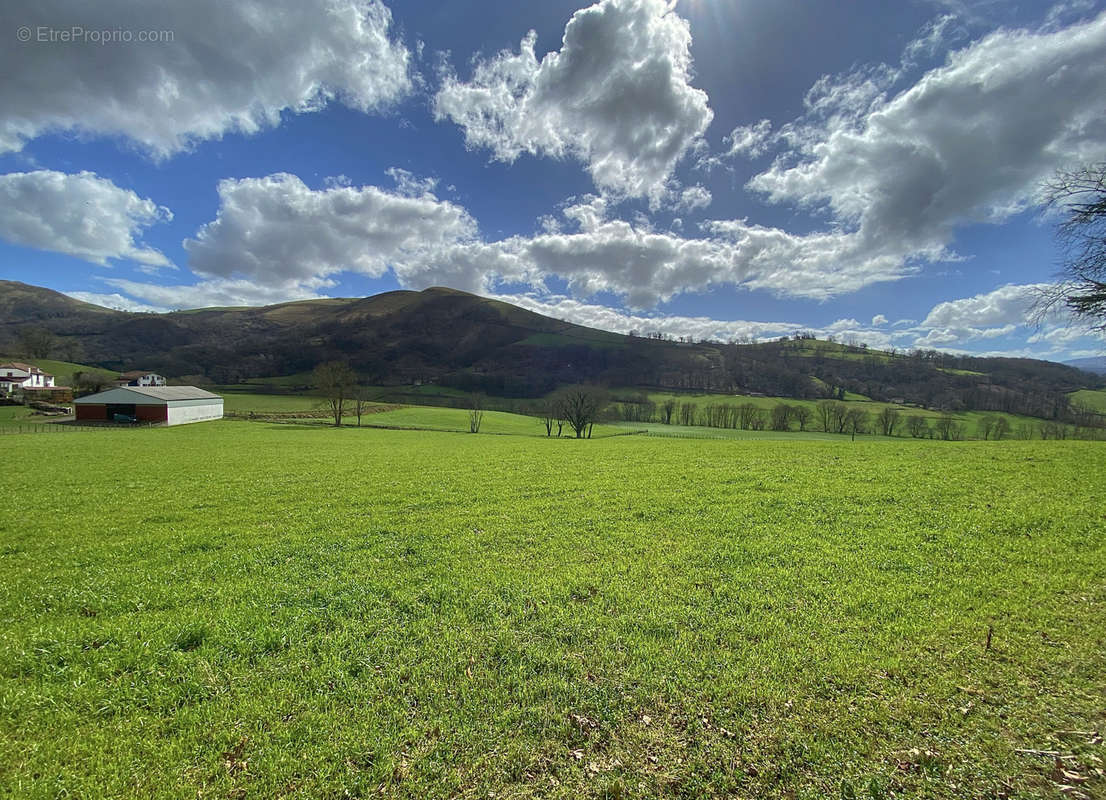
x=468, y=342
x=1096, y=365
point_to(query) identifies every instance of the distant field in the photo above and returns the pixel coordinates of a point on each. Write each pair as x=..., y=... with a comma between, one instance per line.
x=245, y=402
x=456, y=419
x=259, y=610
x=969, y=419
x=702, y=432
x=1095, y=398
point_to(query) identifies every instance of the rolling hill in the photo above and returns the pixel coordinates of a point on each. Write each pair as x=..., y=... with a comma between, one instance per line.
x=466, y=342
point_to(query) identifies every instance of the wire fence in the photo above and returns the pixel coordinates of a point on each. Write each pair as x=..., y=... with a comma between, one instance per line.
x=69, y=427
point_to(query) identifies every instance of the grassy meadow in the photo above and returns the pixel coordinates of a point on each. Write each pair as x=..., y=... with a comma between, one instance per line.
x=240, y=609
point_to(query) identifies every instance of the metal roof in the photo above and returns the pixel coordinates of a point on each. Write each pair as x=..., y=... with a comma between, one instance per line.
x=156, y=393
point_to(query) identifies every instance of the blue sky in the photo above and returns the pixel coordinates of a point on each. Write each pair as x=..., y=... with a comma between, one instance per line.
x=714, y=168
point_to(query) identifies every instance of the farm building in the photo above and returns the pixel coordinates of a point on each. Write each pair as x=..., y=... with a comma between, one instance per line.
x=172, y=405
x=140, y=377
x=23, y=376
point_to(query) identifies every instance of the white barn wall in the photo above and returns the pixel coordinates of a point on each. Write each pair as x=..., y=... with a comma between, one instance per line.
x=185, y=411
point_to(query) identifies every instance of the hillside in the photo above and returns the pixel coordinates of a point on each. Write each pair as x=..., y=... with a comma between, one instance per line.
x=466, y=342
x=1096, y=364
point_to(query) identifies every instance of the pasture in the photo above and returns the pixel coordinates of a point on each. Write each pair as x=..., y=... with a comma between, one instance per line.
x=240, y=609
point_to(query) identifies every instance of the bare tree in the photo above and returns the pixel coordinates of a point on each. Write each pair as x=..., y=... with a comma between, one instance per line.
x=1080, y=195
x=551, y=414
x=581, y=406
x=782, y=414
x=668, y=408
x=888, y=420
x=803, y=415
x=1002, y=428
x=335, y=382
x=476, y=412
x=856, y=421
x=360, y=402
x=948, y=428
x=917, y=426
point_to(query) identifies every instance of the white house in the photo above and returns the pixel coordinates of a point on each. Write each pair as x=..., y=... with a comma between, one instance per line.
x=140, y=378
x=16, y=375
x=171, y=405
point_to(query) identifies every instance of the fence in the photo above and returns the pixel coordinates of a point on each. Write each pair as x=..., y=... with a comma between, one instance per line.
x=63, y=427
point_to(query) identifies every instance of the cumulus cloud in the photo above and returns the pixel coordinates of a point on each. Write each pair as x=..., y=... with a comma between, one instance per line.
x=617, y=96
x=228, y=67
x=276, y=229
x=879, y=321
x=215, y=292
x=692, y=199
x=1007, y=305
x=81, y=215
x=116, y=301
x=993, y=315
x=969, y=142
x=744, y=141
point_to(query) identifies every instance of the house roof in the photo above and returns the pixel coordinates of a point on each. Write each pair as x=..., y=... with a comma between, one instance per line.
x=161, y=393
x=136, y=373
x=22, y=367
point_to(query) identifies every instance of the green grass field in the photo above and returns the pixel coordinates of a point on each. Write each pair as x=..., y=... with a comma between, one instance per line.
x=253, y=610
x=1092, y=398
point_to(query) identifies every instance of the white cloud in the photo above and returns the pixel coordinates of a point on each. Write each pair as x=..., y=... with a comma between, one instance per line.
x=970, y=142
x=116, y=301
x=1007, y=305
x=617, y=96
x=587, y=212
x=81, y=215
x=878, y=321
x=275, y=229
x=216, y=292
x=692, y=199
x=744, y=141
x=229, y=67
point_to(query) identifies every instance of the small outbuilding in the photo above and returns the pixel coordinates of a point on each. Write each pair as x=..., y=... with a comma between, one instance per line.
x=169, y=405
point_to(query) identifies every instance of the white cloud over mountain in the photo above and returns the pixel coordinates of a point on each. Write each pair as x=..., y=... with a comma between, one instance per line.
x=276, y=229
x=228, y=67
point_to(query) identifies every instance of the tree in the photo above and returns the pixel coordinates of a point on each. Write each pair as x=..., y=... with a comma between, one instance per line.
x=335, y=382
x=37, y=342
x=782, y=415
x=476, y=413
x=668, y=408
x=917, y=426
x=90, y=381
x=948, y=428
x=1080, y=195
x=856, y=421
x=888, y=420
x=551, y=414
x=986, y=426
x=802, y=416
x=360, y=402
x=581, y=406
